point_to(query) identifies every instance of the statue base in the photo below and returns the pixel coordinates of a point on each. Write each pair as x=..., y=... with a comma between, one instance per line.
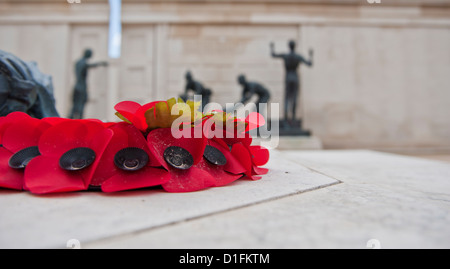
x=292, y=128
x=290, y=142
x=291, y=136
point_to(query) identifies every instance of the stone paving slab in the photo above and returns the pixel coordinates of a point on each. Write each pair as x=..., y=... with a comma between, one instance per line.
x=30, y=221
x=383, y=200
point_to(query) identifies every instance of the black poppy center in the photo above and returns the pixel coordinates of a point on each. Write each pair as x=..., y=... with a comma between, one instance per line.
x=178, y=157
x=21, y=158
x=214, y=156
x=131, y=159
x=131, y=164
x=77, y=158
x=79, y=164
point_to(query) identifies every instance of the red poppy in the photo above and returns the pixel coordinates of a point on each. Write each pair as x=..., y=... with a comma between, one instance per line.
x=239, y=141
x=127, y=163
x=134, y=113
x=233, y=164
x=225, y=173
x=70, y=152
x=20, y=135
x=260, y=156
x=181, y=157
x=236, y=130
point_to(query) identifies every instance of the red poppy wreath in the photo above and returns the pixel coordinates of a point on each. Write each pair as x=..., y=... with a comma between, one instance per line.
x=183, y=151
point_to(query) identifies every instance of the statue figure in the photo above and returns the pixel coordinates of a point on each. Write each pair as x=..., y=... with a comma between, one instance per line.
x=80, y=94
x=292, y=61
x=197, y=88
x=24, y=88
x=253, y=88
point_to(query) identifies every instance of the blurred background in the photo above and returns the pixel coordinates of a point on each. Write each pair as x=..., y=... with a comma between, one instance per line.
x=380, y=79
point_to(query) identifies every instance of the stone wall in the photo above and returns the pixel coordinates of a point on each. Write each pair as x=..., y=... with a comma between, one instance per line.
x=380, y=77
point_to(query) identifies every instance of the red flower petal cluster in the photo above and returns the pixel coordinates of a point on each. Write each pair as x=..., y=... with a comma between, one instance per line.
x=60, y=155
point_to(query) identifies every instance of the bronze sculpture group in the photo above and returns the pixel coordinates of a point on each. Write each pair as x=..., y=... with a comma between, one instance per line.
x=289, y=125
x=33, y=92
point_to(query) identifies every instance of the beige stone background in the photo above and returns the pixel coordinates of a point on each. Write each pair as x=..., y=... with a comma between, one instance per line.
x=380, y=80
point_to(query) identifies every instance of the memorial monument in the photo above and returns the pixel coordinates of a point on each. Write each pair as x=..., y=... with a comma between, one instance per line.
x=80, y=92
x=290, y=125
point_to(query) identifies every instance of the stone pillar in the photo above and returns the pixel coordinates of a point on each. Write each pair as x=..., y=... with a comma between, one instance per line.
x=160, y=62
x=112, y=95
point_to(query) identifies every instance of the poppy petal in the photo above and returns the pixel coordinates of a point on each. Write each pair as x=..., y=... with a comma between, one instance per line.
x=233, y=165
x=140, y=121
x=260, y=155
x=193, y=179
x=259, y=170
x=23, y=133
x=134, y=113
x=143, y=178
x=124, y=136
x=10, y=178
x=241, y=153
x=63, y=137
x=127, y=109
x=254, y=120
x=243, y=138
x=221, y=177
x=11, y=118
x=106, y=167
x=54, y=120
x=94, y=127
x=67, y=135
x=43, y=175
x=99, y=145
x=254, y=177
x=138, y=140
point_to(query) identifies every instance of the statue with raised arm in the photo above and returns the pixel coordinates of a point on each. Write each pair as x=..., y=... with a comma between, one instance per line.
x=80, y=93
x=197, y=88
x=250, y=88
x=292, y=60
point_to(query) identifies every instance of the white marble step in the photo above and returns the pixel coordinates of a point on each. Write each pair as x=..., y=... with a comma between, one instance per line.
x=383, y=200
x=49, y=221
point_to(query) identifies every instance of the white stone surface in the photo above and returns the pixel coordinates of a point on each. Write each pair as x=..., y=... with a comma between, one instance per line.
x=327, y=199
x=30, y=221
x=400, y=202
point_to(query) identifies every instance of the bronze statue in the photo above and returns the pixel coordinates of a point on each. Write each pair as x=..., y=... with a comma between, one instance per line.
x=24, y=88
x=292, y=61
x=197, y=88
x=80, y=94
x=251, y=88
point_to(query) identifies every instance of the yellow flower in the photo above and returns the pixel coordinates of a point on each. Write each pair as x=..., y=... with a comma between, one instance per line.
x=164, y=113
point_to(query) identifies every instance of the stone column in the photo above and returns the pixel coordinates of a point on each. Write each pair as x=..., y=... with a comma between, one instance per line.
x=112, y=96
x=160, y=61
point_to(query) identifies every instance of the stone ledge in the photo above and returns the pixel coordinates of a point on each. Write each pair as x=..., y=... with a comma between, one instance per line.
x=29, y=221
x=400, y=201
x=395, y=201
